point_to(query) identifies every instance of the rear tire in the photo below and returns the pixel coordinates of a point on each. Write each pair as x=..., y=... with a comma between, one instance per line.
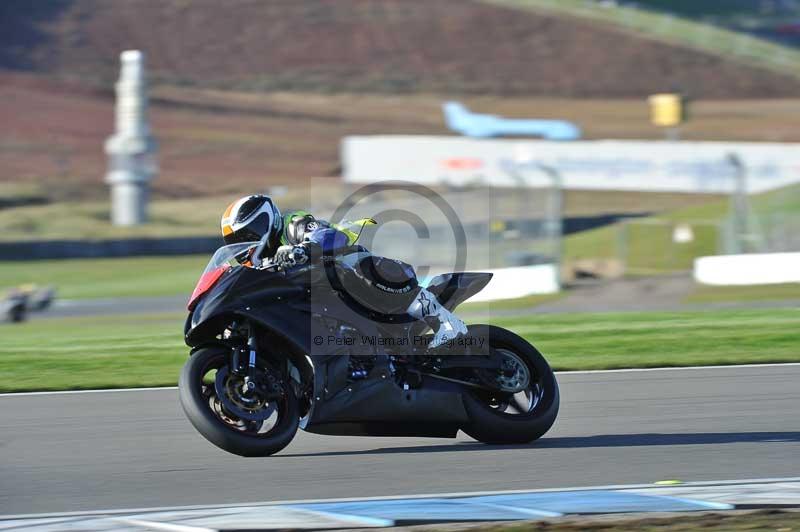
x=197, y=408
x=488, y=424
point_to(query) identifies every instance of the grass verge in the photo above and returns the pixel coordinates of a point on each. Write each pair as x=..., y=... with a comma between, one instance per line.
x=96, y=352
x=736, y=294
x=647, y=247
x=519, y=303
x=131, y=351
x=662, y=339
x=675, y=30
x=71, y=220
x=108, y=278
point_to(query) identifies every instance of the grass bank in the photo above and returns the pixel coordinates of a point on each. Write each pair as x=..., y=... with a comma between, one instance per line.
x=660, y=339
x=647, y=247
x=96, y=352
x=108, y=278
x=672, y=29
x=738, y=294
x=79, y=353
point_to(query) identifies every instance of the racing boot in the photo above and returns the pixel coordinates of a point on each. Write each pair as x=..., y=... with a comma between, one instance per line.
x=445, y=324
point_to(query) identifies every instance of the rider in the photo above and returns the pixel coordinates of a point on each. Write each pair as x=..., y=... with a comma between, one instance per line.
x=299, y=237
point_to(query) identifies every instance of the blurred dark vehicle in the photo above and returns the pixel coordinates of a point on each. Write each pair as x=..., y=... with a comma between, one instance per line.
x=14, y=308
x=23, y=299
x=39, y=299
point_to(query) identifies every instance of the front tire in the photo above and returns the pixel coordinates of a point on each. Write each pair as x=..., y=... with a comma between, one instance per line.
x=237, y=436
x=491, y=420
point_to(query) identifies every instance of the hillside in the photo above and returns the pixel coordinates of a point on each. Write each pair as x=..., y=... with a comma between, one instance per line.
x=739, y=30
x=452, y=46
x=767, y=19
x=215, y=142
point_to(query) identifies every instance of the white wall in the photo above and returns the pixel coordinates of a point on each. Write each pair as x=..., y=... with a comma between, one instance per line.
x=520, y=281
x=603, y=164
x=762, y=268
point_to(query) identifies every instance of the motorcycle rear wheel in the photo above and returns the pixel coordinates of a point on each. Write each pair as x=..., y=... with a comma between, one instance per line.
x=235, y=435
x=509, y=418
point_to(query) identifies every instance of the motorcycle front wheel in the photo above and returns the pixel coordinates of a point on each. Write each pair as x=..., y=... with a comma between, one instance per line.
x=241, y=420
x=528, y=407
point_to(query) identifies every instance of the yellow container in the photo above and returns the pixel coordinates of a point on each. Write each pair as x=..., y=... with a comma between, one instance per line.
x=666, y=110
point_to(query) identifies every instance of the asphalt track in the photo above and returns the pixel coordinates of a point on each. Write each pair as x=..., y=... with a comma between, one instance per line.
x=88, y=451
x=639, y=295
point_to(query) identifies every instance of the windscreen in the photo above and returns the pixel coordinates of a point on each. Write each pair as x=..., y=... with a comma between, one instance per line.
x=231, y=254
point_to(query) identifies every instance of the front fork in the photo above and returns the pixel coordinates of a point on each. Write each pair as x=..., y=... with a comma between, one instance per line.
x=243, y=359
x=244, y=364
x=252, y=346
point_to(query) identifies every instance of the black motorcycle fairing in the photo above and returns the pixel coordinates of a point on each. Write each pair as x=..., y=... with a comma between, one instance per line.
x=452, y=289
x=378, y=407
x=245, y=292
x=187, y=325
x=304, y=320
x=281, y=302
x=254, y=297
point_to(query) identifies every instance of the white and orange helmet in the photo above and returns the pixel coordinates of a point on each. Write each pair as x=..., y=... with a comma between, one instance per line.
x=249, y=218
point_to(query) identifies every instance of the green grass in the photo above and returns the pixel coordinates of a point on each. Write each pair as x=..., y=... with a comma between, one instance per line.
x=518, y=303
x=81, y=353
x=648, y=249
x=87, y=220
x=674, y=30
x=129, y=351
x=727, y=294
x=693, y=8
x=151, y=276
x=144, y=276
x=90, y=220
x=646, y=244
x=106, y=278
x=654, y=339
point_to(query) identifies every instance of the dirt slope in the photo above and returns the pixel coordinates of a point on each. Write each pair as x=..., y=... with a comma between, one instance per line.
x=453, y=46
x=214, y=142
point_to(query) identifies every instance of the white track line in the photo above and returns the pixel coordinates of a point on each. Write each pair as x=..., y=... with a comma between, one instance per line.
x=74, y=392
x=166, y=527
x=579, y=372
x=453, y=495
x=682, y=368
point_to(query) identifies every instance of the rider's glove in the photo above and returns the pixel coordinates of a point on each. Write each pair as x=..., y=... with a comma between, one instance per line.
x=288, y=256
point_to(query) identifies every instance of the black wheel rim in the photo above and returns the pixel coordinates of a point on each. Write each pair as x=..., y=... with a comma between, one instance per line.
x=521, y=391
x=261, y=426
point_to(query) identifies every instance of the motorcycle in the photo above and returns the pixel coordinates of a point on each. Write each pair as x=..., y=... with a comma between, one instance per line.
x=14, y=308
x=274, y=350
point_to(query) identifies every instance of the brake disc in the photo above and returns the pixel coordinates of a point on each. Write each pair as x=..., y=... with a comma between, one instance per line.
x=250, y=406
x=514, y=375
